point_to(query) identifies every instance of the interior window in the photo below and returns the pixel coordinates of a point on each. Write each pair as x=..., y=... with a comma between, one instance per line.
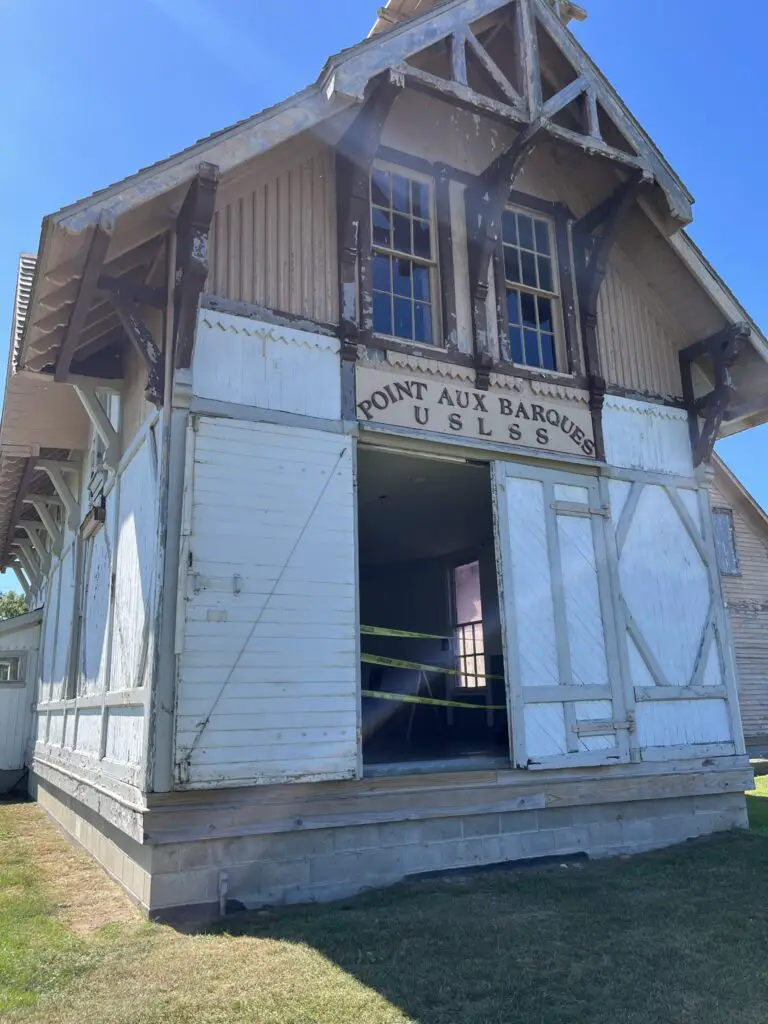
x=403, y=256
x=468, y=625
x=530, y=274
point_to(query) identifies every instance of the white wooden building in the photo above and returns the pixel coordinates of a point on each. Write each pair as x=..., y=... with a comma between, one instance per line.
x=741, y=543
x=357, y=457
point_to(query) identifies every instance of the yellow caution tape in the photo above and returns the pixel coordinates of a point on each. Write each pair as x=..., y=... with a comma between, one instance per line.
x=407, y=699
x=416, y=666
x=381, y=631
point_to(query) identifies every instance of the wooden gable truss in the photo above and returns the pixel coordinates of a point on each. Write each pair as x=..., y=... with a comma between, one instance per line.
x=484, y=55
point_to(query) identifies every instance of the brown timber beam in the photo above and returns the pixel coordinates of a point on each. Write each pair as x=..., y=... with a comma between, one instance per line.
x=354, y=157
x=592, y=253
x=192, y=228
x=133, y=291
x=141, y=338
x=721, y=351
x=97, y=253
x=485, y=202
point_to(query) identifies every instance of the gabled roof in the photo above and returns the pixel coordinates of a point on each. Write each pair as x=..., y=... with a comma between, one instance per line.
x=142, y=206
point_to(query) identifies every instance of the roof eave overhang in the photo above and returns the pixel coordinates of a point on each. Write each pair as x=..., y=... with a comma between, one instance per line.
x=65, y=235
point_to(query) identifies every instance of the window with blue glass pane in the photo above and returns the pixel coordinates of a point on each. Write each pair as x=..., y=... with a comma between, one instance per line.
x=528, y=254
x=402, y=257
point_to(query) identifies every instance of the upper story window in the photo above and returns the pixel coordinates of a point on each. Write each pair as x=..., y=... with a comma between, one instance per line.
x=404, y=272
x=725, y=542
x=531, y=281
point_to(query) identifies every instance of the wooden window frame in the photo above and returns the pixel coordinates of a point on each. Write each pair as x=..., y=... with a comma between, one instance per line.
x=719, y=510
x=563, y=297
x=20, y=680
x=457, y=684
x=433, y=263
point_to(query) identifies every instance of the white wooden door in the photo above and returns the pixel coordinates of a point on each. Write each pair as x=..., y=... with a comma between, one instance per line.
x=268, y=685
x=564, y=689
x=673, y=630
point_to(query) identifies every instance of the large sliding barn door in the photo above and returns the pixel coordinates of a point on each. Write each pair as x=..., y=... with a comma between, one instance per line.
x=268, y=685
x=564, y=691
x=672, y=626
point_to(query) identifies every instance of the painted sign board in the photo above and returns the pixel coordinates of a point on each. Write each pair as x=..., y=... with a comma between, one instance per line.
x=501, y=417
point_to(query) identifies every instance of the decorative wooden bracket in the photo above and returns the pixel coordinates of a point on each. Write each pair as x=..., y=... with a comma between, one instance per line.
x=94, y=261
x=86, y=392
x=18, y=570
x=141, y=338
x=720, y=351
x=193, y=226
x=485, y=201
x=55, y=471
x=32, y=530
x=26, y=555
x=592, y=252
x=42, y=507
x=354, y=156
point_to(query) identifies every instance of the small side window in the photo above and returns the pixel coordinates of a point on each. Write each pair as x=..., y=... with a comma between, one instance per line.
x=725, y=542
x=10, y=669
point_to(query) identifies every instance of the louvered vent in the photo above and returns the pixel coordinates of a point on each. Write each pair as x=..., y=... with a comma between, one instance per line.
x=21, y=305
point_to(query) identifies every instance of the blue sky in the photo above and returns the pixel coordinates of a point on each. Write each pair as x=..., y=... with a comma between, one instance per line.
x=91, y=91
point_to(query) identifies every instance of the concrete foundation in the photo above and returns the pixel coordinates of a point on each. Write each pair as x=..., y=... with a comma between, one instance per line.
x=193, y=842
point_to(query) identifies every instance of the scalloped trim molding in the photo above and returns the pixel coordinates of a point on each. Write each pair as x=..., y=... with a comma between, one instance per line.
x=263, y=332
x=432, y=367
x=632, y=405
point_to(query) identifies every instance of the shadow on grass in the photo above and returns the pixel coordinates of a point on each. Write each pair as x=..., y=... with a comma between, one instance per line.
x=676, y=935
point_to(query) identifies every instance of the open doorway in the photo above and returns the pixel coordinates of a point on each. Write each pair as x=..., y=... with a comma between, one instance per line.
x=429, y=608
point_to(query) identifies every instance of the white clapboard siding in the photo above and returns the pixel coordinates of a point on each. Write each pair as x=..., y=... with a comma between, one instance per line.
x=673, y=636
x=558, y=626
x=135, y=572
x=19, y=637
x=268, y=664
x=241, y=360
x=646, y=436
x=746, y=594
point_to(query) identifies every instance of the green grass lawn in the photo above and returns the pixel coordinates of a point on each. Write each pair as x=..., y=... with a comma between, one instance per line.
x=676, y=936
x=757, y=806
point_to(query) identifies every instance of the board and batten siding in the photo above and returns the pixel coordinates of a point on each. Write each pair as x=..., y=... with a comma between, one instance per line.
x=638, y=344
x=274, y=233
x=268, y=673
x=746, y=595
x=97, y=638
x=19, y=637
